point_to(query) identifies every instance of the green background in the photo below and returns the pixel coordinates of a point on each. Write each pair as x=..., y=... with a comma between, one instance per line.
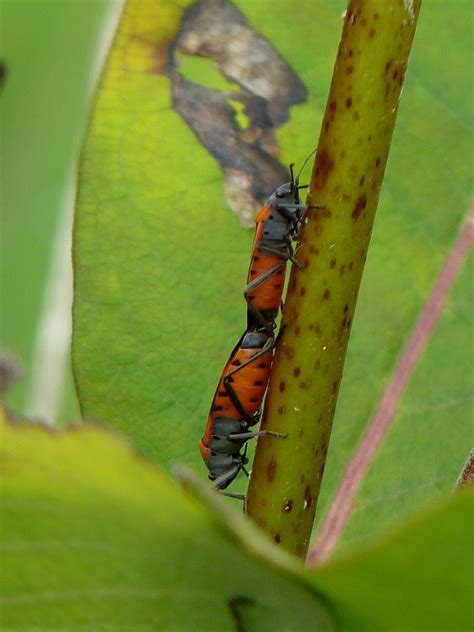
x=50, y=49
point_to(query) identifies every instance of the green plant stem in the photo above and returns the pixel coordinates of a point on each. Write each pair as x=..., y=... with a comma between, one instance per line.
x=347, y=176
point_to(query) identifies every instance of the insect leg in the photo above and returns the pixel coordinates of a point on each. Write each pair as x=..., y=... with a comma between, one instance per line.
x=288, y=211
x=268, y=325
x=226, y=477
x=283, y=254
x=228, y=379
x=267, y=274
x=253, y=285
x=231, y=495
x=238, y=436
x=288, y=255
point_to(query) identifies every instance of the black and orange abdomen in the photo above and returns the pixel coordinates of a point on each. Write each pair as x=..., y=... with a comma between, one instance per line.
x=268, y=294
x=247, y=385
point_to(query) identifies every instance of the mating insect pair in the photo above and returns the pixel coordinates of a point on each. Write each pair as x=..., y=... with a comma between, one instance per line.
x=241, y=389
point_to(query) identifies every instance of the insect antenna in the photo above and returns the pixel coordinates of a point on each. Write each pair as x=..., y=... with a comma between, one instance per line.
x=292, y=176
x=305, y=162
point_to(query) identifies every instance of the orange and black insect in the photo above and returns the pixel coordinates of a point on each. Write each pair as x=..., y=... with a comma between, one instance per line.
x=277, y=224
x=241, y=389
x=235, y=407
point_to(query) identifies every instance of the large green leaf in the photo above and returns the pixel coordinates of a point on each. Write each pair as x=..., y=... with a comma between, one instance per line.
x=94, y=537
x=160, y=261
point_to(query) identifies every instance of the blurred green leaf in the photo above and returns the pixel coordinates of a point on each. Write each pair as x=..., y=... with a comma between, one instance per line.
x=160, y=262
x=418, y=578
x=95, y=537
x=48, y=49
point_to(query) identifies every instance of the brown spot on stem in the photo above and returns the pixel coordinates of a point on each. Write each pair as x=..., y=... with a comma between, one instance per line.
x=297, y=331
x=302, y=291
x=293, y=316
x=291, y=285
x=359, y=206
x=271, y=469
x=288, y=506
x=281, y=410
x=289, y=352
x=307, y=497
x=277, y=538
x=348, y=102
x=296, y=371
x=332, y=263
x=325, y=165
x=326, y=295
x=342, y=269
x=282, y=386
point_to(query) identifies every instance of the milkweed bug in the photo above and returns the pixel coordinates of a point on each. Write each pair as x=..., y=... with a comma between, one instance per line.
x=277, y=224
x=241, y=389
x=235, y=408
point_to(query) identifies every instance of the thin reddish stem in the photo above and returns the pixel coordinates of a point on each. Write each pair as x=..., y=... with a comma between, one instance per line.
x=343, y=503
